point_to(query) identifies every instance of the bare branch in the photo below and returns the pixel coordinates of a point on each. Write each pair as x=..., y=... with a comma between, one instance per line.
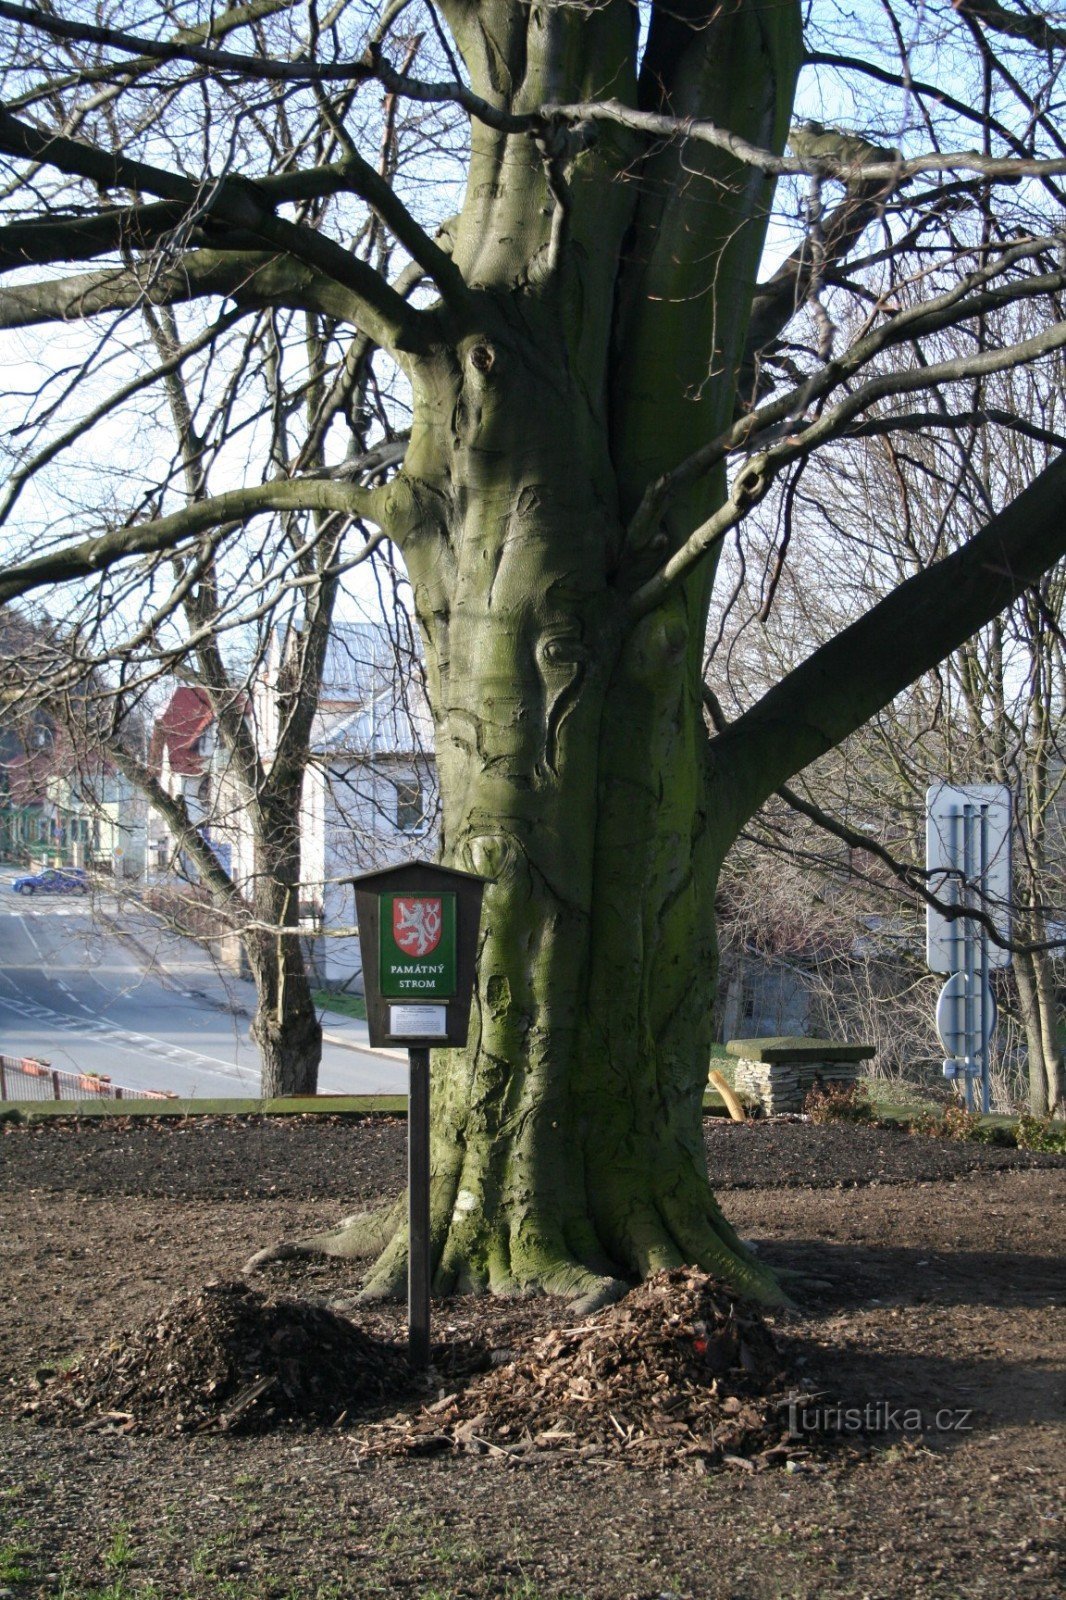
x=216, y=27
x=239, y=204
x=1034, y=29
x=827, y=163
x=846, y=681
x=253, y=279
x=233, y=508
x=374, y=65
x=139, y=227
x=183, y=46
x=18, y=479
x=973, y=295
x=753, y=481
x=916, y=879
x=921, y=421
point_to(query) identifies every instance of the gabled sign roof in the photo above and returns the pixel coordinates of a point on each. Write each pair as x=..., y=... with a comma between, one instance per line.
x=420, y=874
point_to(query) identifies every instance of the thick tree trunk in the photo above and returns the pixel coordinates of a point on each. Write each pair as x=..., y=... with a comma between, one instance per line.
x=595, y=345
x=567, y=1147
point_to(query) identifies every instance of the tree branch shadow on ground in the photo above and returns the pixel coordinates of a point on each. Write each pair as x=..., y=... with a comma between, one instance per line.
x=845, y=1277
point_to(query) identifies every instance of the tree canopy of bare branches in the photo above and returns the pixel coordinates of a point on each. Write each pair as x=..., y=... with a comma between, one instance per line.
x=290, y=285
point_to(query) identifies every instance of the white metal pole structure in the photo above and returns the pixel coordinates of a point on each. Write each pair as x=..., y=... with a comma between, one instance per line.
x=968, y=831
x=988, y=1022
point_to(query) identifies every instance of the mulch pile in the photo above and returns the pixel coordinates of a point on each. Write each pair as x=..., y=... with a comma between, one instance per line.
x=678, y=1372
x=228, y=1359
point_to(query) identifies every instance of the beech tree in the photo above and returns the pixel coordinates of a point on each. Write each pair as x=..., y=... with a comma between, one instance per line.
x=600, y=392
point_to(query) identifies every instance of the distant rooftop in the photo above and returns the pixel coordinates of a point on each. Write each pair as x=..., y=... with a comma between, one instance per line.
x=186, y=716
x=361, y=657
x=396, y=721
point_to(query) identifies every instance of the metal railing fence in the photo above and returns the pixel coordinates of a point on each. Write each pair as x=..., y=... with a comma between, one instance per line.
x=23, y=1078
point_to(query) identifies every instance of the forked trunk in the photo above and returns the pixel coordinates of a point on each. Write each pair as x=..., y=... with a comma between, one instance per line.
x=567, y=1146
x=589, y=341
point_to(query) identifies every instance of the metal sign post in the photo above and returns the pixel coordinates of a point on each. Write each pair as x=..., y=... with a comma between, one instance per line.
x=968, y=860
x=418, y=1229
x=418, y=930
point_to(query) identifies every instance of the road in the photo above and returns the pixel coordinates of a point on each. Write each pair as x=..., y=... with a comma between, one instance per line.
x=150, y=1015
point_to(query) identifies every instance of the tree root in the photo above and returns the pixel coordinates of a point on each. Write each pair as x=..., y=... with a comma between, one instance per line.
x=679, y=1241
x=679, y=1227
x=364, y=1234
x=605, y=1294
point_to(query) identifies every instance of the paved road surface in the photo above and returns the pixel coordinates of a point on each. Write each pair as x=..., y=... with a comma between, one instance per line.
x=149, y=1012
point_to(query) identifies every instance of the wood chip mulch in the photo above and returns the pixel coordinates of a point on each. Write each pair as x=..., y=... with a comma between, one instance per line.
x=227, y=1359
x=679, y=1372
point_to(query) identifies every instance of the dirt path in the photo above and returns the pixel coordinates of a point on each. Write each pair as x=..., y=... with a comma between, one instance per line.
x=936, y=1288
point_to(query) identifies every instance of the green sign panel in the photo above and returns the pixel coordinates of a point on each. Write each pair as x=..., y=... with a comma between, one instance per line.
x=417, y=946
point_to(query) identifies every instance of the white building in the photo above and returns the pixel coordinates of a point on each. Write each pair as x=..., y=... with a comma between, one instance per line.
x=369, y=795
x=370, y=792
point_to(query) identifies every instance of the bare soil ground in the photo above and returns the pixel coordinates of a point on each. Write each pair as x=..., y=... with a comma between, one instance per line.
x=929, y=1295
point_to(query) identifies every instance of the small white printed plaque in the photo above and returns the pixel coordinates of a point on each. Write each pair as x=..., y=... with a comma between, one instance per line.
x=418, y=1022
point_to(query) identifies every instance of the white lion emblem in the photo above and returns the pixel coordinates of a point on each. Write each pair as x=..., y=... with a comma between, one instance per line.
x=416, y=925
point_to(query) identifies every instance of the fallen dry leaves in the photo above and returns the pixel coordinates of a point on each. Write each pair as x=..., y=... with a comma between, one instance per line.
x=678, y=1371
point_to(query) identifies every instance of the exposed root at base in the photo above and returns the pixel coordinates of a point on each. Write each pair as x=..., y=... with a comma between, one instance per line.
x=531, y=1255
x=609, y=1291
x=359, y=1237
x=355, y=1238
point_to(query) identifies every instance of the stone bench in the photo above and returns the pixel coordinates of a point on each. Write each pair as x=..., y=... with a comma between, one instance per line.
x=780, y=1073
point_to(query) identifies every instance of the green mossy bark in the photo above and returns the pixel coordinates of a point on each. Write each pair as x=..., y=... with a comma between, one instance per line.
x=595, y=351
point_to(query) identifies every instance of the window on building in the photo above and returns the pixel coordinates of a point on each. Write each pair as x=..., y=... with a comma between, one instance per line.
x=410, y=808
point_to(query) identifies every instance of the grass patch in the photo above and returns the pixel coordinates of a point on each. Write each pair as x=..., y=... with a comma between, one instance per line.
x=1044, y=1134
x=344, y=1105
x=965, y=1127
x=907, y=1095
x=347, y=1005
x=13, y=1559
x=120, y=1554
x=901, y=1105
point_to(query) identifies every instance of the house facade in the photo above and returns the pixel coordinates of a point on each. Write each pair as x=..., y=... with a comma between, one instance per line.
x=59, y=810
x=183, y=756
x=369, y=792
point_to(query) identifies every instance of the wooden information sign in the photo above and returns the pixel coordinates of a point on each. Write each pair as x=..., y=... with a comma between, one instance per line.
x=418, y=931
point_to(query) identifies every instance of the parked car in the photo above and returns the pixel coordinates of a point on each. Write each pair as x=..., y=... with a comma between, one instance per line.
x=53, y=880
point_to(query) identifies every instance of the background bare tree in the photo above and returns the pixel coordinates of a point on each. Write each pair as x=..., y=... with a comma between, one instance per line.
x=993, y=711
x=202, y=397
